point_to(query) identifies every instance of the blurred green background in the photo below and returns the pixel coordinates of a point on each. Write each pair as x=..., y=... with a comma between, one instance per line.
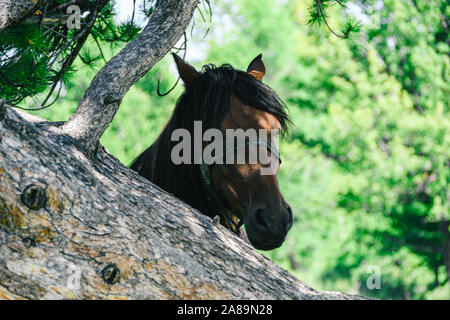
x=366, y=167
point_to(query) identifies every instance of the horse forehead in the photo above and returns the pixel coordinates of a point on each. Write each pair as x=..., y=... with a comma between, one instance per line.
x=245, y=116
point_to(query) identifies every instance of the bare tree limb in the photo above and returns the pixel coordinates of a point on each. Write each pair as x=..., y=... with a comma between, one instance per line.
x=102, y=99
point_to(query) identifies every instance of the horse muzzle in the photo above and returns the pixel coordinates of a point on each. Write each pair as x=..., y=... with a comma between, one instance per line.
x=267, y=230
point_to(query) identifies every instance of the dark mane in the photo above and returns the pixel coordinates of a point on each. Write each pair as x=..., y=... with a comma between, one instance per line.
x=208, y=100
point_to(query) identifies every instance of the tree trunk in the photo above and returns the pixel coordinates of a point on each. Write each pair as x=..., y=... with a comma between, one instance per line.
x=71, y=227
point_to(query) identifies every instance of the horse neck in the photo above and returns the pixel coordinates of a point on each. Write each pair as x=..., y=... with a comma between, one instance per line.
x=184, y=181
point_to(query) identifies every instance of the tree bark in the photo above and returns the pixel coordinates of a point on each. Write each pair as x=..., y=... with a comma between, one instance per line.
x=73, y=228
x=13, y=11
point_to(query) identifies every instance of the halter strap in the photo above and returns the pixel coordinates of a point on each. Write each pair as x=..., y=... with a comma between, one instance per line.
x=205, y=171
x=250, y=142
x=212, y=195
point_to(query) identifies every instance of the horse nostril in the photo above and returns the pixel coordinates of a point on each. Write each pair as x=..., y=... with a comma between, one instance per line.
x=290, y=218
x=260, y=219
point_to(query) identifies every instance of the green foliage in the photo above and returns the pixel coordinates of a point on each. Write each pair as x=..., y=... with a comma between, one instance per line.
x=366, y=166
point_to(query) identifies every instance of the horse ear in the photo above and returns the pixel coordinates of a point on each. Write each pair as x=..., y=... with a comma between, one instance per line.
x=185, y=70
x=257, y=68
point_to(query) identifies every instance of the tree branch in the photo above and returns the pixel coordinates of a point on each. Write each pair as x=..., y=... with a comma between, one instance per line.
x=102, y=99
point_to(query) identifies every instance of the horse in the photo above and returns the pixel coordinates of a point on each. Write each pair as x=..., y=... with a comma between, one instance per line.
x=223, y=98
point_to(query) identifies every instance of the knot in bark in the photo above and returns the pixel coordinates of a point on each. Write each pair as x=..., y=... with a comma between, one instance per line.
x=34, y=197
x=111, y=274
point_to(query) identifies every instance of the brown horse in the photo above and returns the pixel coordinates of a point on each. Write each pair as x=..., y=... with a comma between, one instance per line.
x=225, y=98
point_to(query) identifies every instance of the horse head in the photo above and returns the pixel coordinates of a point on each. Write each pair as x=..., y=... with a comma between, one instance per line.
x=243, y=192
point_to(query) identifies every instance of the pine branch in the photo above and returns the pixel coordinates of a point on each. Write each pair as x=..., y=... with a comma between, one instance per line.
x=43, y=40
x=318, y=16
